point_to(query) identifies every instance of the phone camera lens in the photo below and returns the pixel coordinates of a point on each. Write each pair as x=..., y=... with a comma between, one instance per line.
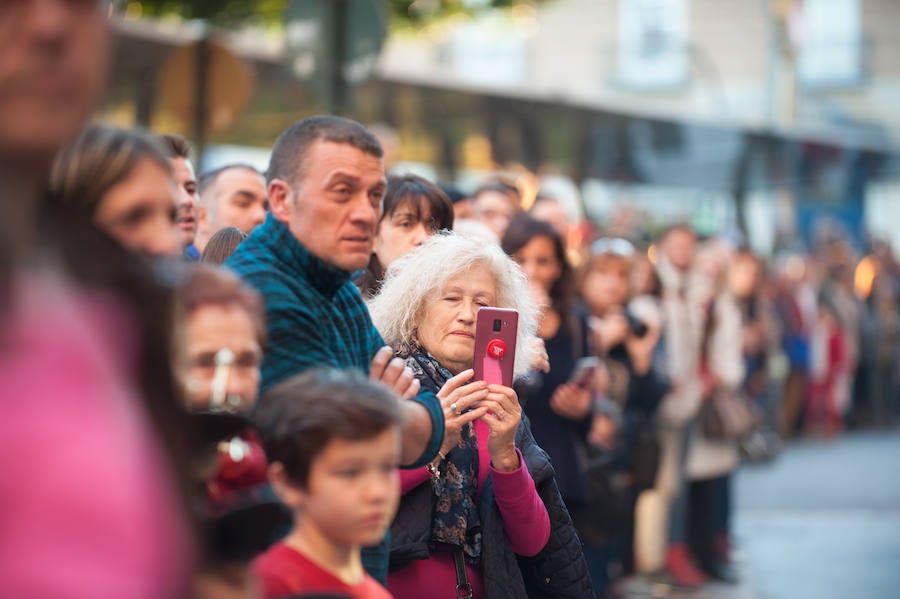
x=497, y=325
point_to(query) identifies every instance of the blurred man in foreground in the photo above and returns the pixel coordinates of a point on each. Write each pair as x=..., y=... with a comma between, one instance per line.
x=87, y=506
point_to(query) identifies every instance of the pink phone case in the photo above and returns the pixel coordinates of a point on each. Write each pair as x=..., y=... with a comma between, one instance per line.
x=495, y=345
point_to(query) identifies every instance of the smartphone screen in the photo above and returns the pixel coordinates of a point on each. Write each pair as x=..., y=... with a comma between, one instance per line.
x=495, y=345
x=584, y=369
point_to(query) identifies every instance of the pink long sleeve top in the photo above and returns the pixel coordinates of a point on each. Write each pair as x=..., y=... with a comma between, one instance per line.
x=87, y=508
x=525, y=521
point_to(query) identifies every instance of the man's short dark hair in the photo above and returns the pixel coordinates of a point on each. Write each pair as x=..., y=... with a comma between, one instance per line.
x=298, y=417
x=289, y=154
x=208, y=179
x=175, y=146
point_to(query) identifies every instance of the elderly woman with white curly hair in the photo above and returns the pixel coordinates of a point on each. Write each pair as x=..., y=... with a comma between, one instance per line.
x=485, y=519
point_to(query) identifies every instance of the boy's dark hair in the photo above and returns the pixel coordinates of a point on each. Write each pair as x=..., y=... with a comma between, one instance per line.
x=288, y=159
x=298, y=417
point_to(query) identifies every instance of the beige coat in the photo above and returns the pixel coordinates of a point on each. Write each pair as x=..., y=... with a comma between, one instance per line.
x=683, y=300
x=707, y=458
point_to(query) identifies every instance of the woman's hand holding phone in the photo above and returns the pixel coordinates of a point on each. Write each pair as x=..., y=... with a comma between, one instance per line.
x=461, y=402
x=503, y=416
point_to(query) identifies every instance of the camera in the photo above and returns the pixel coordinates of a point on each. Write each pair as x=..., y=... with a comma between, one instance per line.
x=636, y=326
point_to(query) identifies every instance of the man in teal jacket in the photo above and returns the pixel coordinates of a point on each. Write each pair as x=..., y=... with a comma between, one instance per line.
x=325, y=184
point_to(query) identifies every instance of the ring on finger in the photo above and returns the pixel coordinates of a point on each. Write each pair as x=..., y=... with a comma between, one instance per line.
x=454, y=408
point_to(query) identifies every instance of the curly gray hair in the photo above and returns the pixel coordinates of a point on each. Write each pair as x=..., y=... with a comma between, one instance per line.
x=420, y=276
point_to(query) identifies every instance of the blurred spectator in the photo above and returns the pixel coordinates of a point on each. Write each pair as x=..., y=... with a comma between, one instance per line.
x=326, y=182
x=839, y=286
x=230, y=196
x=644, y=279
x=560, y=408
x=760, y=348
x=221, y=313
x=89, y=501
x=389, y=141
x=223, y=336
x=178, y=151
x=496, y=494
x=711, y=461
x=880, y=351
x=473, y=228
x=122, y=181
x=462, y=204
x=413, y=209
x=828, y=371
x=683, y=297
x=551, y=210
x=222, y=245
x=334, y=441
x=494, y=205
x=796, y=324
x=626, y=332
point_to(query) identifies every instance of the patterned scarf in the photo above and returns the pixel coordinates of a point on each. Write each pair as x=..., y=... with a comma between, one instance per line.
x=455, y=515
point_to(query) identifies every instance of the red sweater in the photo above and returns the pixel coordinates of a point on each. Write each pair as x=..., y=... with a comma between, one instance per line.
x=285, y=572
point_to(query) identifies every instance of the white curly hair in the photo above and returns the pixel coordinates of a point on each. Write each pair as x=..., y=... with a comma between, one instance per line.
x=420, y=276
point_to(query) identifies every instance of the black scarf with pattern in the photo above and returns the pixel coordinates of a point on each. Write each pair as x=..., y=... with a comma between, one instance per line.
x=455, y=521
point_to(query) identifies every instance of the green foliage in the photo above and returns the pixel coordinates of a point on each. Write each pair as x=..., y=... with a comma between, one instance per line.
x=236, y=12
x=219, y=12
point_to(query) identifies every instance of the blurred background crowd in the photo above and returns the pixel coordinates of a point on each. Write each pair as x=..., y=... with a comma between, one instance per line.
x=700, y=194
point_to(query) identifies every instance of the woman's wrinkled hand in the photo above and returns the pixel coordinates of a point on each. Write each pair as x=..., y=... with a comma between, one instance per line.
x=461, y=404
x=503, y=415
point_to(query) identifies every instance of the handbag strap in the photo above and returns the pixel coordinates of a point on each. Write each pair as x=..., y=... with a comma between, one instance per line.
x=463, y=588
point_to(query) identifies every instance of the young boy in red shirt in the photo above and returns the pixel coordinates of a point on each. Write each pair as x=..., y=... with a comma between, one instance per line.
x=333, y=442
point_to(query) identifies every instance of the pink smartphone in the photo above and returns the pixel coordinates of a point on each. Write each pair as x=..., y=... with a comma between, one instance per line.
x=495, y=345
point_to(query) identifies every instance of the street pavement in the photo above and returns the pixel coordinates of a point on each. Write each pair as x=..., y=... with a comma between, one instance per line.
x=821, y=521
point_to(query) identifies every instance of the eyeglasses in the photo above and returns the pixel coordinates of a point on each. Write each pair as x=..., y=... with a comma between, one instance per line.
x=612, y=245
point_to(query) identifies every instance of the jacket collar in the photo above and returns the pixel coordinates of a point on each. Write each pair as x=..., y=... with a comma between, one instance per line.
x=297, y=261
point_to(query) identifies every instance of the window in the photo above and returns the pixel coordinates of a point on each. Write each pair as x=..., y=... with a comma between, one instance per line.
x=830, y=43
x=652, y=47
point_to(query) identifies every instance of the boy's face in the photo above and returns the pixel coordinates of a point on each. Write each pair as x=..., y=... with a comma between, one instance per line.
x=353, y=490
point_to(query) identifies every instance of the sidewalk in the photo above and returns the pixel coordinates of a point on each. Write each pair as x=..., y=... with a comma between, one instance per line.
x=640, y=587
x=822, y=521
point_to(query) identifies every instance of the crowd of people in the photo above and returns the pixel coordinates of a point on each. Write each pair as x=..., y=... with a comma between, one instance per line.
x=250, y=384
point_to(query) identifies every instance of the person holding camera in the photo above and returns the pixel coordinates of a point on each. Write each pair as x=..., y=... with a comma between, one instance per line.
x=564, y=403
x=626, y=332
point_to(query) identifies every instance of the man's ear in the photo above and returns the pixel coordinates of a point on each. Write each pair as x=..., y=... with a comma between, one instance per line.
x=287, y=491
x=280, y=200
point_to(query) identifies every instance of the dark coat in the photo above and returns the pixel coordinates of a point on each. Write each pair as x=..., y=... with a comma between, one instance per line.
x=558, y=571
